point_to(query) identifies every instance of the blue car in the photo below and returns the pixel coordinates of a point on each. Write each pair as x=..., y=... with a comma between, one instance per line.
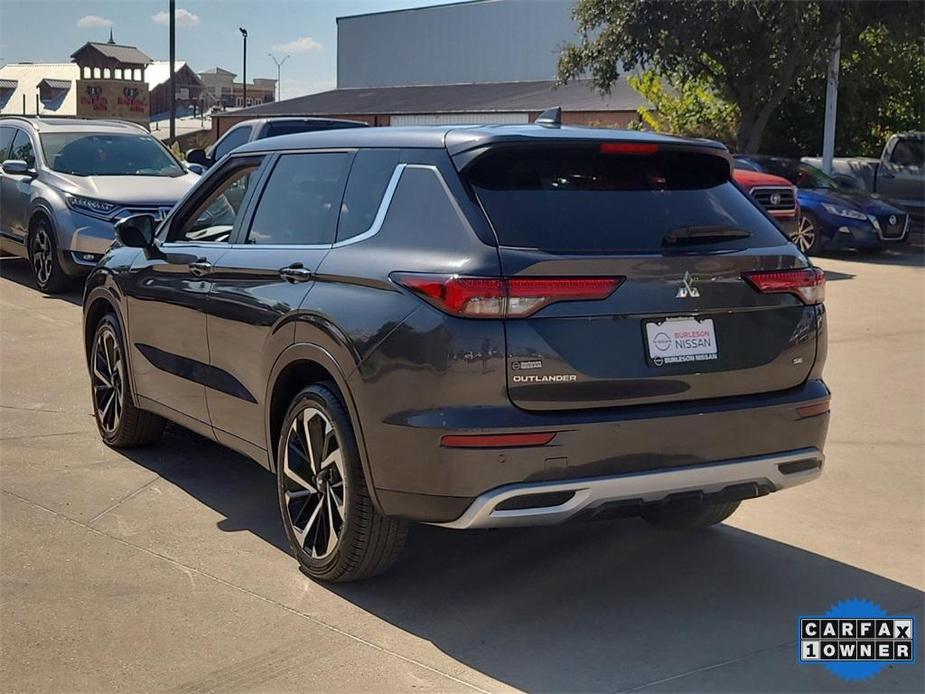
x=832, y=215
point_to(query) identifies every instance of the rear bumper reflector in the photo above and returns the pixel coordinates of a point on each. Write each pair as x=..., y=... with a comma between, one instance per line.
x=496, y=440
x=813, y=410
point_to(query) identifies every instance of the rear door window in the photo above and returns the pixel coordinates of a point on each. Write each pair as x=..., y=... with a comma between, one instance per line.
x=300, y=203
x=582, y=198
x=6, y=139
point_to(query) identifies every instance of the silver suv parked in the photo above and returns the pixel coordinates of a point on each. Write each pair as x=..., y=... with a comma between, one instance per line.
x=66, y=182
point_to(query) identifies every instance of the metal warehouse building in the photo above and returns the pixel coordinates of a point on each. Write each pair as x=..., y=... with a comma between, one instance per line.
x=486, y=61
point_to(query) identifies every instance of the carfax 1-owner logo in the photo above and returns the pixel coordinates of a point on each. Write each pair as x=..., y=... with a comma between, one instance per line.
x=856, y=639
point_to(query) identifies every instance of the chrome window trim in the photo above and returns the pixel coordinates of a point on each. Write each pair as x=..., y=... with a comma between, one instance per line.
x=383, y=210
x=378, y=220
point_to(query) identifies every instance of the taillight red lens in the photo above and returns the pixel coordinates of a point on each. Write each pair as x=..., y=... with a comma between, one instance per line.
x=813, y=410
x=496, y=440
x=808, y=283
x=498, y=297
x=628, y=148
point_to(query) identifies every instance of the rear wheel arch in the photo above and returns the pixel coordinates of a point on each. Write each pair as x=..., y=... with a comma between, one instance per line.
x=301, y=365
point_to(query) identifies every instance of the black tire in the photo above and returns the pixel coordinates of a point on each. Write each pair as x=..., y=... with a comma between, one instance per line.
x=314, y=499
x=43, y=257
x=120, y=423
x=691, y=519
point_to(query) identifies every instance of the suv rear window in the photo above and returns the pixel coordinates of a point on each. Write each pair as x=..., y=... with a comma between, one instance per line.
x=580, y=199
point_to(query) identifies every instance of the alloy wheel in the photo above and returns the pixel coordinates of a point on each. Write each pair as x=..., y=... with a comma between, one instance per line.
x=315, y=483
x=806, y=234
x=42, y=255
x=108, y=380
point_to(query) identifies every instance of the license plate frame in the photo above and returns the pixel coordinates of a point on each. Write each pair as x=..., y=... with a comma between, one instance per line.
x=678, y=340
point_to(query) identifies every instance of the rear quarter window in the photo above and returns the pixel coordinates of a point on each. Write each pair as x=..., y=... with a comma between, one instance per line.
x=369, y=177
x=578, y=199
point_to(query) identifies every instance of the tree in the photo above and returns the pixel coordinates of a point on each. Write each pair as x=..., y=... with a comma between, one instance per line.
x=881, y=92
x=685, y=107
x=752, y=52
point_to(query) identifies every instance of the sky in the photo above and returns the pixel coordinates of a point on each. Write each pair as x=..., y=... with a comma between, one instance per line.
x=207, y=33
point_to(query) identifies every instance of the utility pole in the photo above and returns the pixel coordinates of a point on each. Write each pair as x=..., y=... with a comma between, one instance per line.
x=244, y=34
x=279, y=83
x=831, y=100
x=173, y=85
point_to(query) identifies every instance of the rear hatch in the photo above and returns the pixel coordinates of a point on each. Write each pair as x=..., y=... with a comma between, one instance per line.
x=711, y=300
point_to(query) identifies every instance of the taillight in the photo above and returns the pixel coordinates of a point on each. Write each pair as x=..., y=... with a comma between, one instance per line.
x=499, y=297
x=808, y=284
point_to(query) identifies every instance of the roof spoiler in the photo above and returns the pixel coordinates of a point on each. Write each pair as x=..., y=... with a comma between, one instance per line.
x=550, y=118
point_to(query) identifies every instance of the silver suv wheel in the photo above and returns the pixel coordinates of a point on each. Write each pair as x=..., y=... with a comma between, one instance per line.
x=42, y=255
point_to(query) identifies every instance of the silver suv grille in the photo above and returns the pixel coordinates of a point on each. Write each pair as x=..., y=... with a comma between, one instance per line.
x=775, y=199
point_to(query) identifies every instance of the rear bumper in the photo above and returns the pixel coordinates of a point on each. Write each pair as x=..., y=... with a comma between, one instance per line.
x=548, y=503
x=437, y=484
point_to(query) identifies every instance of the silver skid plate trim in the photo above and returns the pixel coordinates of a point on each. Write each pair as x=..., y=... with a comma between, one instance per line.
x=648, y=486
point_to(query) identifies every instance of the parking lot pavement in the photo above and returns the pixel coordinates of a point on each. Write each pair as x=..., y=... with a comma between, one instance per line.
x=166, y=568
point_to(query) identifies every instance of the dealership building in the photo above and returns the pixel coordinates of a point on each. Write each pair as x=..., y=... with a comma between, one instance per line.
x=487, y=61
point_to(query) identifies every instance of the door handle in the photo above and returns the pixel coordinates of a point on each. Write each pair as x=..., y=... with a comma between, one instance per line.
x=887, y=174
x=201, y=267
x=295, y=273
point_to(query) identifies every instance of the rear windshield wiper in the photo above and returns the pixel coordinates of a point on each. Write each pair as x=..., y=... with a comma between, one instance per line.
x=703, y=234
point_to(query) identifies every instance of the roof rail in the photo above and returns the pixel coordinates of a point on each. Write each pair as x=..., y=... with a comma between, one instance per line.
x=53, y=116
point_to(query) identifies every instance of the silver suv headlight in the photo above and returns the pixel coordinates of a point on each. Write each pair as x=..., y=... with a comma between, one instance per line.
x=91, y=206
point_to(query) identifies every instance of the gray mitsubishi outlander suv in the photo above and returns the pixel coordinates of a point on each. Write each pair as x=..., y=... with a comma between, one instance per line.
x=65, y=182
x=472, y=327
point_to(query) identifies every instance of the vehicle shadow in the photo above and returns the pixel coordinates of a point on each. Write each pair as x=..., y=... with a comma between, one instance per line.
x=615, y=606
x=19, y=271
x=833, y=276
x=235, y=486
x=902, y=255
x=604, y=606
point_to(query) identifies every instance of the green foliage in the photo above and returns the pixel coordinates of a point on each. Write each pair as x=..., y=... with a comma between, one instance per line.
x=753, y=53
x=881, y=92
x=688, y=107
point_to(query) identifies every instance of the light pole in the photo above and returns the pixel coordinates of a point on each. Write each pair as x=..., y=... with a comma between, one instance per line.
x=244, y=34
x=173, y=84
x=279, y=83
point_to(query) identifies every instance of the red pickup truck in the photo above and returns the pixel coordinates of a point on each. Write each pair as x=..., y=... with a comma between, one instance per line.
x=775, y=194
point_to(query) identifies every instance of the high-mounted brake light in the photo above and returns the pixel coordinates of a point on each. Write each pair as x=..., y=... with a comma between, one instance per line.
x=628, y=148
x=808, y=283
x=500, y=297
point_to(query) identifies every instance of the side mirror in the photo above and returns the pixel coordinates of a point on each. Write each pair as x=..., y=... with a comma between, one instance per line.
x=197, y=169
x=17, y=167
x=197, y=156
x=136, y=231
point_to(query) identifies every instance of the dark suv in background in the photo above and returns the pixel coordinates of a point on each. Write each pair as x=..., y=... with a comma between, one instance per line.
x=471, y=327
